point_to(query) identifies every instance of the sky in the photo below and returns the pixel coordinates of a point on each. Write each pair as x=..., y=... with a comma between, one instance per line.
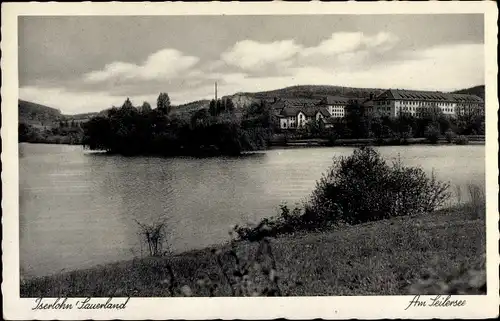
x=84, y=64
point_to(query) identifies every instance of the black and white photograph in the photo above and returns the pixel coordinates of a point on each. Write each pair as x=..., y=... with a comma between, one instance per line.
x=246, y=154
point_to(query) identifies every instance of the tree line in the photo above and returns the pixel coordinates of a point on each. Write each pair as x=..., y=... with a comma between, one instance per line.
x=64, y=132
x=217, y=130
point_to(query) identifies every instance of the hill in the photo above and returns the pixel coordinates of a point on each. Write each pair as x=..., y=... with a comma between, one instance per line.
x=476, y=90
x=314, y=91
x=191, y=106
x=81, y=117
x=37, y=115
x=242, y=101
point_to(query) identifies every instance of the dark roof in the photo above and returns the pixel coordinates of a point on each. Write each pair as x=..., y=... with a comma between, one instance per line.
x=309, y=112
x=413, y=95
x=335, y=100
x=298, y=102
x=329, y=120
x=464, y=98
x=368, y=103
x=278, y=105
x=324, y=111
x=403, y=94
x=290, y=111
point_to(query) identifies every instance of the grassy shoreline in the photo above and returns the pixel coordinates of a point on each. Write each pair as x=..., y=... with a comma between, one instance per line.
x=379, y=258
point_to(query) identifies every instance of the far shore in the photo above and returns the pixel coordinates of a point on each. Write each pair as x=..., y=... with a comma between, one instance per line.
x=343, y=142
x=319, y=142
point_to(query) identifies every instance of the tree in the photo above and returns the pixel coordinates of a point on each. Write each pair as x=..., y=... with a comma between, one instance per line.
x=26, y=132
x=230, y=105
x=258, y=115
x=200, y=118
x=163, y=103
x=313, y=128
x=212, y=108
x=432, y=133
x=406, y=126
x=146, y=107
x=357, y=121
x=127, y=104
x=450, y=136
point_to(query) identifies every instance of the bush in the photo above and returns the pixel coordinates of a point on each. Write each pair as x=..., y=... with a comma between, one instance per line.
x=287, y=222
x=461, y=140
x=357, y=189
x=450, y=136
x=477, y=202
x=363, y=187
x=154, y=235
x=432, y=134
x=331, y=137
x=468, y=279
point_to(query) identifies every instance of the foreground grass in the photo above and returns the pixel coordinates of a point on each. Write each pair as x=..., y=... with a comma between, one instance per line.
x=396, y=256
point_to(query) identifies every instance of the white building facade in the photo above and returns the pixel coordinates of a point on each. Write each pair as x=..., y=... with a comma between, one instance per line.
x=293, y=117
x=336, y=105
x=394, y=102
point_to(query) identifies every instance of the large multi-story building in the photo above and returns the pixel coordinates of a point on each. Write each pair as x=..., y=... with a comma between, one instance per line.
x=336, y=105
x=470, y=105
x=418, y=103
x=295, y=113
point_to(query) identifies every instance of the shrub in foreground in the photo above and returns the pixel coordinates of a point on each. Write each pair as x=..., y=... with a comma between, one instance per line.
x=287, y=222
x=467, y=279
x=154, y=236
x=477, y=204
x=364, y=187
x=359, y=188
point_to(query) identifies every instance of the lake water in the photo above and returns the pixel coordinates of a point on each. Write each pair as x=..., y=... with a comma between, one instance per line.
x=77, y=208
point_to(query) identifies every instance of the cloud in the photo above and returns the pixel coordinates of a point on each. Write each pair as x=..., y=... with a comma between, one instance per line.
x=249, y=54
x=280, y=56
x=443, y=67
x=345, y=42
x=446, y=68
x=163, y=64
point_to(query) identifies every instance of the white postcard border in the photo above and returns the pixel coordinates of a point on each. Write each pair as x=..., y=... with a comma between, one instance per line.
x=373, y=307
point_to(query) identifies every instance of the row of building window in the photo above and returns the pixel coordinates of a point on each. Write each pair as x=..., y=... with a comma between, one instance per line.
x=418, y=103
x=413, y=103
